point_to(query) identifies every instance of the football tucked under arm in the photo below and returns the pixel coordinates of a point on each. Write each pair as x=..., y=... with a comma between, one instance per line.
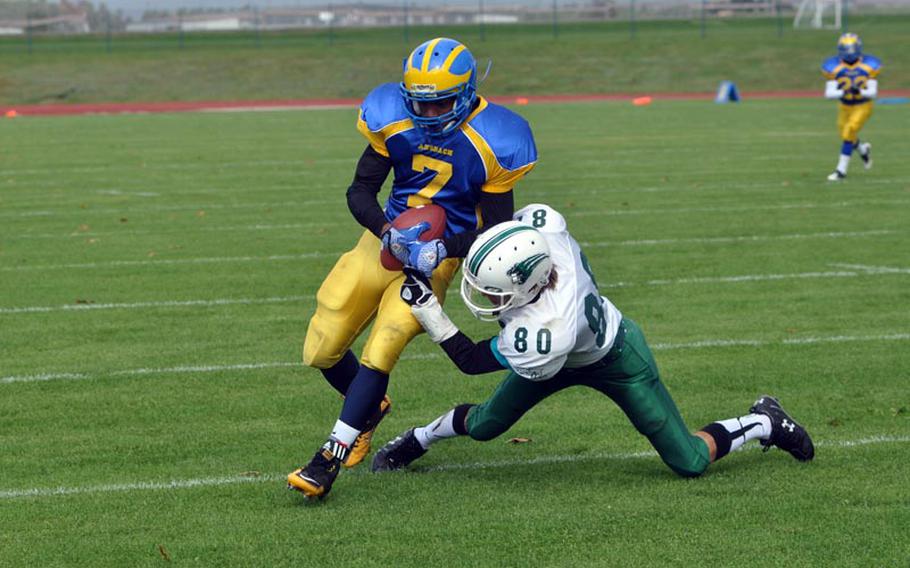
x=432, y=220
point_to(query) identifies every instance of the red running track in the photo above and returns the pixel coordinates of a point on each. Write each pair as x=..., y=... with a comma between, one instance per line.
x=295, y=104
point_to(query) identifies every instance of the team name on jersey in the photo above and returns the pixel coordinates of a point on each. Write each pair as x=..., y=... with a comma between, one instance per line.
x=435, y=149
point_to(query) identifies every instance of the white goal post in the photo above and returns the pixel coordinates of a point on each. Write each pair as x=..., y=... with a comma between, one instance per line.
x=818, y=14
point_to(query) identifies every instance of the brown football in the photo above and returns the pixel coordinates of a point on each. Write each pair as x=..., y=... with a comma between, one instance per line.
x=432, y=214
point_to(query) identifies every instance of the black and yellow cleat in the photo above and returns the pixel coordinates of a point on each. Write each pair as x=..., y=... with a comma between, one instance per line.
x=316, y=479
x=364, y=441
x=398, y=453
x=786, y=433
x=865, y=153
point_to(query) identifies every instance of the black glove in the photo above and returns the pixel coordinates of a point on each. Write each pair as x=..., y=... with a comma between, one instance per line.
x=416, y=289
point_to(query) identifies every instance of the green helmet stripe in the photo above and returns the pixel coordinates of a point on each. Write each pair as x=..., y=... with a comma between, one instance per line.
x=524, y=268
x=491, y=244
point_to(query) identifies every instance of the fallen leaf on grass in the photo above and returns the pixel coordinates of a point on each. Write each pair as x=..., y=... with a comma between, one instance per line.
x=164, y=553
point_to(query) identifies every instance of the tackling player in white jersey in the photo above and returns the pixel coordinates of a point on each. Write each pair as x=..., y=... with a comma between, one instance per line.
x=557, y=331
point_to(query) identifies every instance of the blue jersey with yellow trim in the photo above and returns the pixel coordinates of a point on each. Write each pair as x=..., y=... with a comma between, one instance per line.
x=852, y=76
x=489, y=152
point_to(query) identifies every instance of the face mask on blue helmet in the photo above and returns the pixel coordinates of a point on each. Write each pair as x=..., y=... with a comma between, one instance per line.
x=849, y=48
x=439, y=71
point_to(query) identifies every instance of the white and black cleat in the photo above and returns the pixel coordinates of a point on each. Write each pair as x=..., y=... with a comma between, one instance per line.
x=837, y=175
x=786, y=433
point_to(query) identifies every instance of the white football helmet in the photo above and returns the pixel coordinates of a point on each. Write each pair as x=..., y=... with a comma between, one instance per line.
x=506, y=268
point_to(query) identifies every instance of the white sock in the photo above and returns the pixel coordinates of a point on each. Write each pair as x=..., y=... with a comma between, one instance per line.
x=745, y=428
x=863, y=149
x=344, y=433
x=842, y=163
x=439, y=429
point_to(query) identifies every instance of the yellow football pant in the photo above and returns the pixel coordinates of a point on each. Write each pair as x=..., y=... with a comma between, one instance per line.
x=851, y=118
x=357, y=291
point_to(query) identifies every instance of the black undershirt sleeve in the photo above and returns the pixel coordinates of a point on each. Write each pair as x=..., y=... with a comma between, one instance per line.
x=494, y=208
x=372, y=170
x=471, y=358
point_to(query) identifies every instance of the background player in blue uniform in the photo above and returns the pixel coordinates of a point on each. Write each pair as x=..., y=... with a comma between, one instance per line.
x=851, y=79
x=446, y=145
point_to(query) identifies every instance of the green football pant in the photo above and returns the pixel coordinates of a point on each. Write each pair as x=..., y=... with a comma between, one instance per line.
x=628, y=375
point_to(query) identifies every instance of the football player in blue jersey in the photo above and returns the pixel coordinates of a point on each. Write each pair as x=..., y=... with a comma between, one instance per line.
x=852, y=78
x=445, y=145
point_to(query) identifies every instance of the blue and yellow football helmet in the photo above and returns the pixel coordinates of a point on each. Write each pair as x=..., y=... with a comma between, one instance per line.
x=438, y=70
x=849, y=48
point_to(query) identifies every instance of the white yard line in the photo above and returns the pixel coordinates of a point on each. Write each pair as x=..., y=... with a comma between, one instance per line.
x=133, y=210
x=164, y=304
x=192, y=369
x=710, y=343
x=869, y=271
x=734, y=208
x=198, y=369
x=75, y=210
x=128, y=193
x=171, y=261
x=752, y=278
x=873, y=269
x=741, y=239
x=70, y=234
x=855, y=271
x=39, y=492
x=153, y=166
x=120, y=487
x=651, y=453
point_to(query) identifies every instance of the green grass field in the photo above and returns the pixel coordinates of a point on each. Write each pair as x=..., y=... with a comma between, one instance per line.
x=585, y=58
x=157, y=274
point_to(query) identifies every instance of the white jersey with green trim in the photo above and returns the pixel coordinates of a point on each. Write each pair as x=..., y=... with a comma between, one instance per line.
x=570, y=325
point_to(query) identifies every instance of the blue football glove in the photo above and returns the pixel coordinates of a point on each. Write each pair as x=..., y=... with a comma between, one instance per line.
x=426, y=256
x=399, y=241
x=416, y=289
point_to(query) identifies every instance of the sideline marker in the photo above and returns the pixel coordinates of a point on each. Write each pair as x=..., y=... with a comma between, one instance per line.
x=727, y=93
